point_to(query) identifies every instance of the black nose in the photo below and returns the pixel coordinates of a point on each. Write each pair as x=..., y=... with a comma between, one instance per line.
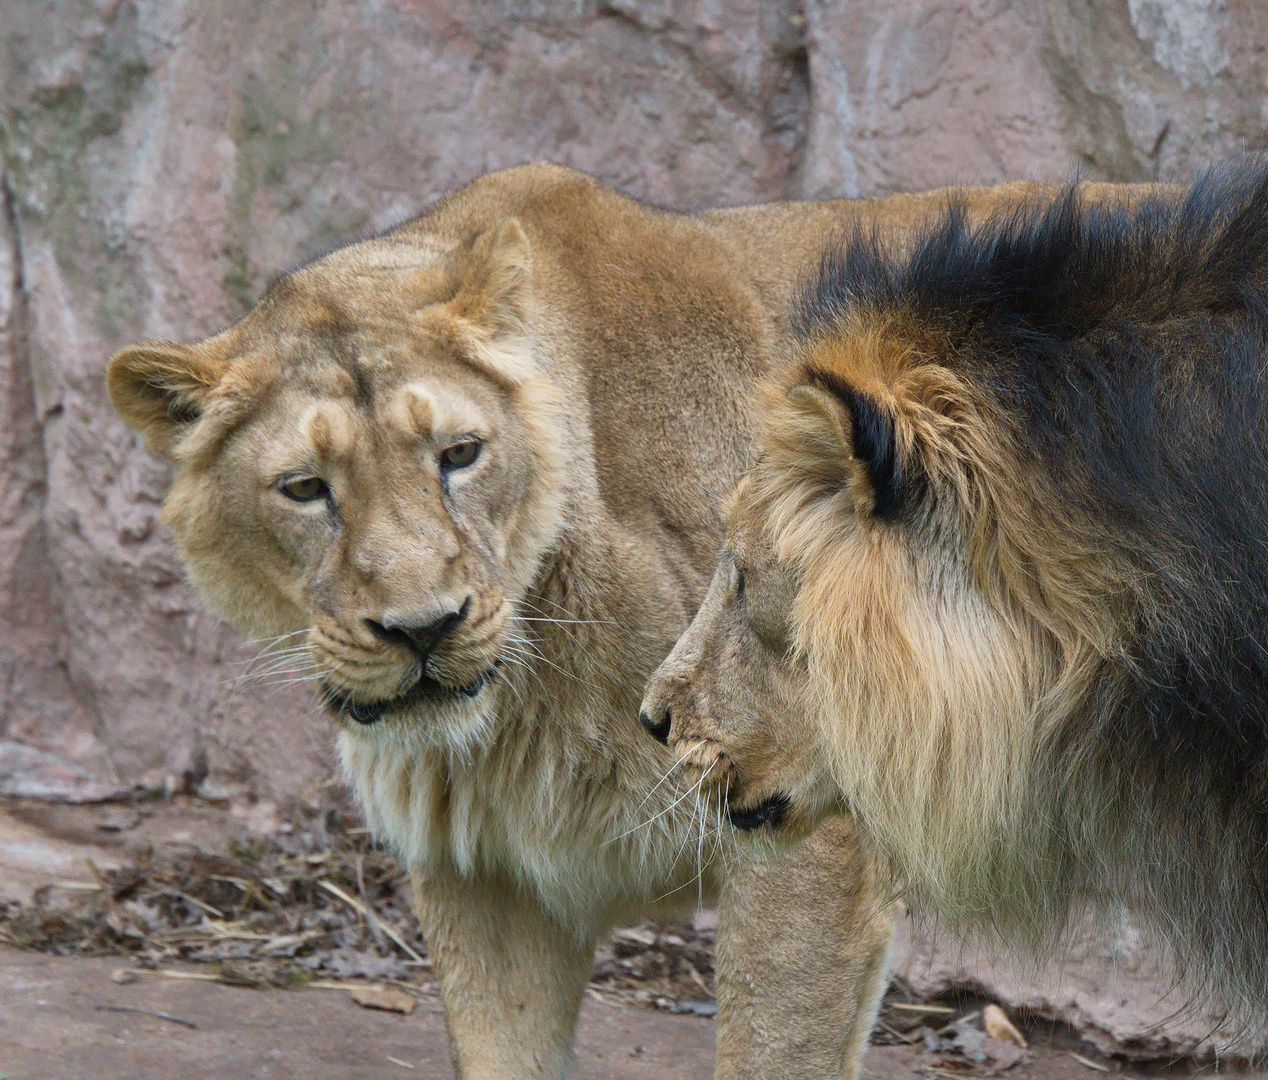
x=421, y=638
x=658, y=727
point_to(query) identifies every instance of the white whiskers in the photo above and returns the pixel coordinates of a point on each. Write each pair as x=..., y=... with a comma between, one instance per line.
x=272, y=668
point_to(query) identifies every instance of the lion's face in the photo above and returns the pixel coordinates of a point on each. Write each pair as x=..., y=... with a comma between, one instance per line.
x=365, y=466
x=852, y=653
x=732, y=697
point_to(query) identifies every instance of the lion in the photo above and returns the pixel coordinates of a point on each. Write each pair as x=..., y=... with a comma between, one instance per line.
x=997, y=585
x=472, y=466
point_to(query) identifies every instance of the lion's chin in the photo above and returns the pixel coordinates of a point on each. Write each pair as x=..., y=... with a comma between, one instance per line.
x=770, y=812
x=426, y=692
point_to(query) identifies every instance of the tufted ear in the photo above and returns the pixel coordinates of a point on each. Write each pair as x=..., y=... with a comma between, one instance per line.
x=853, y=437
x=159, y=388
x=493, y=270
x=489, y=275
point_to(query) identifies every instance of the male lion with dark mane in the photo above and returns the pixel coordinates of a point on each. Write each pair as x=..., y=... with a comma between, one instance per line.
x=998, y=583
x=473, y=466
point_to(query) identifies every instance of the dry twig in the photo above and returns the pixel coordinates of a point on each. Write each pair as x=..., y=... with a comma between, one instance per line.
x=149, y=1012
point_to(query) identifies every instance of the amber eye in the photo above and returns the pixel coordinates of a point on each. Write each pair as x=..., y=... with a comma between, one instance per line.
x=305, y=488
x=460, y=454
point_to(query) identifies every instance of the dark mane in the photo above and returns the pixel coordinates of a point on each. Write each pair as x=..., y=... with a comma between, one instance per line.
x=1127, y=349
x=1083, y=383
x=1061, y=268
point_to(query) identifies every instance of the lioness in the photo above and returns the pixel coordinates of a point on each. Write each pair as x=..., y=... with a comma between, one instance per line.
x=473, y=465
x=999, y=582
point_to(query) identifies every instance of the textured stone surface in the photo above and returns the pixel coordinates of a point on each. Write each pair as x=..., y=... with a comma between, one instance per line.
x=1110, y=986
x=911, y=95
x=161, y=159
x=36, y=774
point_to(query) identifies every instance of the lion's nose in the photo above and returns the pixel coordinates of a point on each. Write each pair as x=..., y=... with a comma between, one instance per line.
x=420, y=637
x=657, y=723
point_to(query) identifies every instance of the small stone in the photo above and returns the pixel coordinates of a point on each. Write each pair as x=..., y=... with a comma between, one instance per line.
x=384, y=997
x=120, y=821
x=123, y=976
x=705, y=919
x=28, y=773
x=636, y=935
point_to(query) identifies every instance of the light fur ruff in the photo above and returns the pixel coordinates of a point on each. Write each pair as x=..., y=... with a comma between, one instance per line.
x=1004, y=558
x=481, y=630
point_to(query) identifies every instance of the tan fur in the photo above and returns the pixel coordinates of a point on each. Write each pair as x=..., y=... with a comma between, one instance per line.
x=893, y=693
x=604, y=353
x=943, y=681
x=914, y=685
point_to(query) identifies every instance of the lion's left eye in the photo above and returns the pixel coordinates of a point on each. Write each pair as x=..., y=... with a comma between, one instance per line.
x=460, y=454
x=305, y=488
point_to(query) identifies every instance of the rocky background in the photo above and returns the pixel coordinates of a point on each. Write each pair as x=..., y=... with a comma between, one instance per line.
x=163, y=159
x=160, y=160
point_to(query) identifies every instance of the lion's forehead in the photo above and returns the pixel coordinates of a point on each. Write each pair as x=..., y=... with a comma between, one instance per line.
x=380, y=378
x=337, y=419
x=338, y=357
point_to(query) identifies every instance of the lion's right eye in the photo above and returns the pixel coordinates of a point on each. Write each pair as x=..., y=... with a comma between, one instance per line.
x=305, y=489
x=460, y=455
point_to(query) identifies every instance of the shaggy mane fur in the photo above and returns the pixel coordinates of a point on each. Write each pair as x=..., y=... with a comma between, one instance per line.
x=1126, y=349
x=1084, y=386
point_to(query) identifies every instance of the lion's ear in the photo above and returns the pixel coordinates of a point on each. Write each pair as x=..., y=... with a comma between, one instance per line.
x=493, y=271
x=159, y=388
x=853, y=435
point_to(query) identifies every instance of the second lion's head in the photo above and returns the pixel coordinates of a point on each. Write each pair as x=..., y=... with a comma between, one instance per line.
x=980, y=564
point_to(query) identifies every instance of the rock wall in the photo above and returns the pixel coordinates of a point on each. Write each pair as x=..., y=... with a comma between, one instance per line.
x=1113, y=986
x=163, y=158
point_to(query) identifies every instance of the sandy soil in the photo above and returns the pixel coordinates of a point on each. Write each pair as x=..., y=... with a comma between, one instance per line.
x=53, y=1027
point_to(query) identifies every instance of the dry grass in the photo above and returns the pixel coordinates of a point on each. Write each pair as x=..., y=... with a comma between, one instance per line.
x=320, y=902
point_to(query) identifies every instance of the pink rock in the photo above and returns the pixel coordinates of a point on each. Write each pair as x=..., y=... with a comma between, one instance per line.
x=34, y=774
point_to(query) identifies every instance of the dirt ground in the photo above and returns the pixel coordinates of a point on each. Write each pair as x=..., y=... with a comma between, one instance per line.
x=54, y=1026
x=58, y=1023
x=69, y=1017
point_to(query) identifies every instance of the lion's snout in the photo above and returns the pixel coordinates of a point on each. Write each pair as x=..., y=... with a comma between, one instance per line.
x=657, y=724
x=356, y=664
x=702, y=763
x=668, y=702
x=371, y=665
x=420, y=634
x=700, y=757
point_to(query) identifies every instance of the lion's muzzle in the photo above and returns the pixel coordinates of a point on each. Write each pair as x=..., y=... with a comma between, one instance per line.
x=770, y=811
x=426, y=691
x=420, y=636
x=703, y=764
x=392, y=662
x=657, y=725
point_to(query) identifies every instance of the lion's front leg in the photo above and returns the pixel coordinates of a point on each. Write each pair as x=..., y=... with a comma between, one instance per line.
x=803, y=945
x=510, y=975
